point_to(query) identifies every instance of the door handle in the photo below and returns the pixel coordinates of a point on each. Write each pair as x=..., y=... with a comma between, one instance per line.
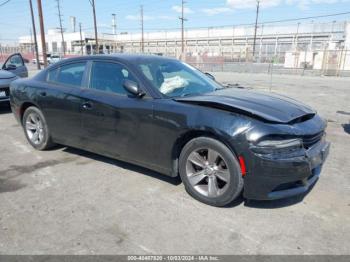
x=87, y=105
x=43, y=93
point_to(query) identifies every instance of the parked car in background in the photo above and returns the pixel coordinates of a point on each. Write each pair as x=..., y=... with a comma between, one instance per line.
x=41, y=59
x=13, y=68
x=51, y=59
x=165, y=115
x=54, y=59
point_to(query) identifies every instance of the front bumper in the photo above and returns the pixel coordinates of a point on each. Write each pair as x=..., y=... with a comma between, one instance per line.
x=280, y=178
x=5, y=100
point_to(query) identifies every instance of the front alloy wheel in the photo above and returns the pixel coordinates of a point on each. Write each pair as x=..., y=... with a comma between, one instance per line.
x=210, y=171
x=207, y=172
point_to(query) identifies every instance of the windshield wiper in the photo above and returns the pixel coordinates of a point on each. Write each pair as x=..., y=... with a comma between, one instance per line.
x=229, y=85
x=190, y=94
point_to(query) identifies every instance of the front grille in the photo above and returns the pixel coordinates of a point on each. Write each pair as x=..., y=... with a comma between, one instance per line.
x=294, y=184
x=309, y=141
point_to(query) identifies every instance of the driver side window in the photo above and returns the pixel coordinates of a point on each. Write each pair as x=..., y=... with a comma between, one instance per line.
x=109, y=77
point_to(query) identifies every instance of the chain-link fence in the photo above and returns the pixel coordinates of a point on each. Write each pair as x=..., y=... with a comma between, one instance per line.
x=301, y=61
x=309, y=62
x=6, y=51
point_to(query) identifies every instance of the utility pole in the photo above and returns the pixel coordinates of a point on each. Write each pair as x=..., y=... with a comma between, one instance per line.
x=97, y=49
x=63, y=47
x=142, y=32
x=183, y=19
x=34, y=33
x=81, y=40
x=256, y=25
x=42, y=32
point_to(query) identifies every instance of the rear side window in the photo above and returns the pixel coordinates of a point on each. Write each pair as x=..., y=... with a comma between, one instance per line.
x=71, y=74
x=109, y=77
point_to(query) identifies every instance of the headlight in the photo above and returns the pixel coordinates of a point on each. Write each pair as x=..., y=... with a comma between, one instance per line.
x=279, y=148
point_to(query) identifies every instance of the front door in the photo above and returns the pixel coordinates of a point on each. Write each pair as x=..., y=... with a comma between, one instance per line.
x=15, y=64
x=115, y=123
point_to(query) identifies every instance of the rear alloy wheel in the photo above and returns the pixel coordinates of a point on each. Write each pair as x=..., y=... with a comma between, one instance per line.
x=210, y=171
x=36, y=129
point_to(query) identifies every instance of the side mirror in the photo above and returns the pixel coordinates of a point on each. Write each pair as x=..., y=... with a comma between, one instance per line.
x=210, y=76
x=11, y=67
x=133, y=88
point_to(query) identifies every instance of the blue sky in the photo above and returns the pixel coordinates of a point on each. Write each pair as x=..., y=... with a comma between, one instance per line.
x=161, y=14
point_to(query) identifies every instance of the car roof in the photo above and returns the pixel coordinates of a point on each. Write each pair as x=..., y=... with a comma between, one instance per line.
x=131, y=58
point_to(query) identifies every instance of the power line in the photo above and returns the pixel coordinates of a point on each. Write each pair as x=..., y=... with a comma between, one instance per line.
x=267, y=22
x=305, y=18
x=279, y=21
x=231, y=25
x=4, y=3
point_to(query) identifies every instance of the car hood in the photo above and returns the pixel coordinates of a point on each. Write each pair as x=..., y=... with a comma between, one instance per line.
x=268, y=107
x=6, y=75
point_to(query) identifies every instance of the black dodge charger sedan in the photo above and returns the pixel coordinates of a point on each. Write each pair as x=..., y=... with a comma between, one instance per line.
x=167, y=116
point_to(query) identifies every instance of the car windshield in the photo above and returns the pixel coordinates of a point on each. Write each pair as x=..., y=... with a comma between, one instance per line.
x=174, y=78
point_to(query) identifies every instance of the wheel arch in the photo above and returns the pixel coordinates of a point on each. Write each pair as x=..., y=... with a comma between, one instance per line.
x=188, y=136
x=24, y=107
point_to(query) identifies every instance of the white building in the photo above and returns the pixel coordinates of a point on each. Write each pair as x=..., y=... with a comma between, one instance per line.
x=74, y=43
x=237, y=42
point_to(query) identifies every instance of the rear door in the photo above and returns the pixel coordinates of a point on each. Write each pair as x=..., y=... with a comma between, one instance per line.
x=15, y=64
x=60, y=101
x=115, y=123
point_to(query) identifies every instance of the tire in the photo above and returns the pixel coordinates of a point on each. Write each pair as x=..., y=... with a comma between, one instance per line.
x=219, y=165
x=35, y=126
